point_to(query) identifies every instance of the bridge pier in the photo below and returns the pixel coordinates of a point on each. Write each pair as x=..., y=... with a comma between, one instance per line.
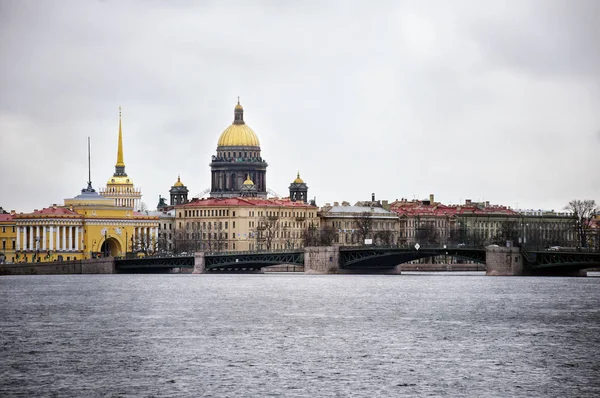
x=199, y=263
x=322, y=260
x=503, y=261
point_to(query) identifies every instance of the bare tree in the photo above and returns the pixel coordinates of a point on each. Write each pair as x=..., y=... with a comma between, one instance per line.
x=426, y=233
x=267, y=231
x=583, y=213
x=364, y=226
x=384, y=238
x=508, y=231
x=312, y=236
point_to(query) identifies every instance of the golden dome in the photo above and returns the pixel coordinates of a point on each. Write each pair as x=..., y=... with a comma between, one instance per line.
x=248, y=181
x=298, y=180
x=238, y=107
x=120, y=180
x=238, y=135
x=178, y=183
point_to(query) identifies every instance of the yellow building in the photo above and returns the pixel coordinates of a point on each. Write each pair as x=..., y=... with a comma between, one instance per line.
x=88, y=225
x=242, y=224
x=120, y=186
x=7, y=237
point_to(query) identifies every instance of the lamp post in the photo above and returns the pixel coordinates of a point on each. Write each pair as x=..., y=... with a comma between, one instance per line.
x=104, y=245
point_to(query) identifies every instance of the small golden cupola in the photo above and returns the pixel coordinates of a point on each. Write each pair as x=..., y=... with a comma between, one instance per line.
x=298, y=190
x=248, y=188
x=178, y=183
x=298, y=180
x=248, y=181
x=178, y=192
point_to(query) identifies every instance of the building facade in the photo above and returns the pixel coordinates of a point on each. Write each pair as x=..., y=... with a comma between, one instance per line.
x=243, y=224
x=363, y=223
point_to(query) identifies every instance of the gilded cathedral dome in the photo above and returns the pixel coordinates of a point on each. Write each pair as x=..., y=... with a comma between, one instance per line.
x=238, y=134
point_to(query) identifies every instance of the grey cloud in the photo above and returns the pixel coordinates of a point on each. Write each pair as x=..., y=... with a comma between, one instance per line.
x=401, y=98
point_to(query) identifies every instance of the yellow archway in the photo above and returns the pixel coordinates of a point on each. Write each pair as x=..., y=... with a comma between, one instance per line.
x=110, y=247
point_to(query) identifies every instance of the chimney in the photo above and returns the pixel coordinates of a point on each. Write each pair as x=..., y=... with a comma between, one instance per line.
x=373, y=197
x=336, y=203
x=34, y=210
x=385, y=205
x=467, y=202
x=487, y=203
x=431, y=198
x=12, y=212
x=54, y=205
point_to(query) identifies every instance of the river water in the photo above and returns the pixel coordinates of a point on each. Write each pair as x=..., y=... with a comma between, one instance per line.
x=299, y=336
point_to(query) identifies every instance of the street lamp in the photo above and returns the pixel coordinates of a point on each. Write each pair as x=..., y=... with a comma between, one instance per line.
x=104, y=245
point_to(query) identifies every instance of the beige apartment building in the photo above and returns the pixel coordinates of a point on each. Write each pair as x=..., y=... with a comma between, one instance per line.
x=243, y=224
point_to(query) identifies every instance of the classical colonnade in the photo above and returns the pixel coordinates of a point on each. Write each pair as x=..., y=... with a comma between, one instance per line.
x=145, y=235
x=44, y=237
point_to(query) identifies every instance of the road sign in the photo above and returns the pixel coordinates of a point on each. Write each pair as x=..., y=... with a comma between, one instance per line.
x=417, y=246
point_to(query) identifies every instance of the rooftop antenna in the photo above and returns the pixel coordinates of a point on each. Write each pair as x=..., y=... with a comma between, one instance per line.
x=89, y=164
x=89, y=187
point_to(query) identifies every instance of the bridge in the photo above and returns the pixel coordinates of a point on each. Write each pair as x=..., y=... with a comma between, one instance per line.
x=498, y=260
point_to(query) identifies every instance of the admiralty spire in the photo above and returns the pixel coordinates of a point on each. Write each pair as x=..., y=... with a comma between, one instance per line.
x=120, y=186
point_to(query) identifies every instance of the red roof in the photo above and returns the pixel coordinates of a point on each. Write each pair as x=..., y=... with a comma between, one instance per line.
x=258, y=202
x=5, y=217
x=50, y=211
x=411, y=209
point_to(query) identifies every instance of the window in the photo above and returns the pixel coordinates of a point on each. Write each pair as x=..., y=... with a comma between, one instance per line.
x=233, y=224
x=3, y=229
x=234, y=213
x=226, y=224
x=13, y=244
x=3, y=244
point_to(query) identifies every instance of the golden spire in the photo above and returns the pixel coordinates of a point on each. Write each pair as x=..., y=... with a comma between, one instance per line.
x=120, y=162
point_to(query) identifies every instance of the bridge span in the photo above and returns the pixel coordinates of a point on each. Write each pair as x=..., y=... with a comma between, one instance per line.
x=500, y=261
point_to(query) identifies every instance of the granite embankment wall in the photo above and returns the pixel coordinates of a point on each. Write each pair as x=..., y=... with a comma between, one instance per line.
x=441, y=267
x=94, y=266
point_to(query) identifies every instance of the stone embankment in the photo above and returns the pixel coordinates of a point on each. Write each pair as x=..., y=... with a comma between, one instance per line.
x=95, y=266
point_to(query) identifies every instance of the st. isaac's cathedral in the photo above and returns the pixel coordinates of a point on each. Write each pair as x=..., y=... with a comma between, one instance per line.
x=238, y=160
x=238, y=168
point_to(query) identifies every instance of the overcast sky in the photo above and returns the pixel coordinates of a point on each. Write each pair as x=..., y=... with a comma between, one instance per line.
x=495, y=101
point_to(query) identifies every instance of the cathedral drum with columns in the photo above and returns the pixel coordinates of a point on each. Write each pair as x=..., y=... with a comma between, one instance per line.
x=238, y=160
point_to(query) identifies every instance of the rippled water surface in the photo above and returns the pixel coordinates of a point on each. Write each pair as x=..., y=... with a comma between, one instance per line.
x=299, y=336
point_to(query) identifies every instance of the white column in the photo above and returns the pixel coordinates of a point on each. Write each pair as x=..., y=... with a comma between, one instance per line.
x=57, y=237
x=44, y=237
x=70, y=244
x=50, y=241
x=139, y=237
x=31, y=247
x=37, y=237
x=77, y=239
x=25, y=238
x=64, y=238
x=18, y=247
